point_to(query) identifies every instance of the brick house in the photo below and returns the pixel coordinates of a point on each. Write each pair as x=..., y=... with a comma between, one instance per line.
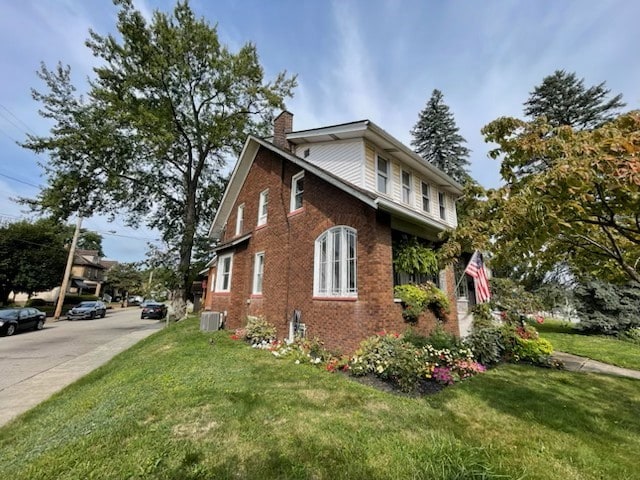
x=306, y=225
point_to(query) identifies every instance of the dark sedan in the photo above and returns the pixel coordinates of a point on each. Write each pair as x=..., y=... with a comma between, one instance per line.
x=87, y=310
x=154, y=310
x=14, y=319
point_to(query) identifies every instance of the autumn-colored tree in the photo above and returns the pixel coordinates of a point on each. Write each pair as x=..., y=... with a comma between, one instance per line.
x=584, y=209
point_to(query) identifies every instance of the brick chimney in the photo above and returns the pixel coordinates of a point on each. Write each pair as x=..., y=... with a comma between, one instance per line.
x=282, y=125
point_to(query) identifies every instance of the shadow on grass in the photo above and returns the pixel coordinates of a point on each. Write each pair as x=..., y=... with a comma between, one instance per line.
x=577, y=404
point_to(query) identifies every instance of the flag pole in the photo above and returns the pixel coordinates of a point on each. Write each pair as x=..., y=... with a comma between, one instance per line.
x=464, y=272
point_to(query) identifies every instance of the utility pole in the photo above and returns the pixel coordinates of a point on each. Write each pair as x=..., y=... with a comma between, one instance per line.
x=67, y=270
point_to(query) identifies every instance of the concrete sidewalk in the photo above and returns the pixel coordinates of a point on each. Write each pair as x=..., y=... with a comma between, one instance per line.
x=574, y=363
x=25, y=395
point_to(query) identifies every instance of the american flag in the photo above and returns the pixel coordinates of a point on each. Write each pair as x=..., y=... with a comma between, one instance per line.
x=476, y=270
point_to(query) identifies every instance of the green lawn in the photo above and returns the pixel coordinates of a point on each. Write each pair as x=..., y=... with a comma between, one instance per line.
x=177, y=407
x=597, y=347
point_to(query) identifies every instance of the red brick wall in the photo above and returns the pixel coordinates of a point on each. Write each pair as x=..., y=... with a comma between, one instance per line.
x=288, y=242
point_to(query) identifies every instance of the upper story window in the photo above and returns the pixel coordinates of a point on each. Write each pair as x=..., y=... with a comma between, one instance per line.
x=335, y=263
x=258, y=273
x=240, y=219
x=223, y=276
x=297, y=189
x=382, y=169
x=442, y=205
x=263, y=207
x=406, y=186
x=426, y=197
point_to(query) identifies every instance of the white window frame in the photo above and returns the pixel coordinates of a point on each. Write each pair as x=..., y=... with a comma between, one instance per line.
x=426, y=195
x=240, y=219
x=442, y=203
x=258, y=273
x=221, y=273
x=263, y=207
x=406, y=190
x=380, y=174
x=295, y=192
x=332, y=256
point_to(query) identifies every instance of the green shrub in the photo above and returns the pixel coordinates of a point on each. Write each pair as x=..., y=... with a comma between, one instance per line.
x=258, y=330
x=487, y=345
x=36, y=302
x=632, y=335
x=388, y=357
x=482, y=317
x=417, y=298
x=441, y=339
x=533, y=350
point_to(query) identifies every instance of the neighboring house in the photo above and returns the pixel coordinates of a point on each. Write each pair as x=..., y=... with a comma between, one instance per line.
x=306, y=226
x=87, y=273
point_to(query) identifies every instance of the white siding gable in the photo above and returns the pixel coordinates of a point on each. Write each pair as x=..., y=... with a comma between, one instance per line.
x=343, y=158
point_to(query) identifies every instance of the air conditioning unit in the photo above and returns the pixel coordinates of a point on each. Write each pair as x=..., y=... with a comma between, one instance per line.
x=210, y=321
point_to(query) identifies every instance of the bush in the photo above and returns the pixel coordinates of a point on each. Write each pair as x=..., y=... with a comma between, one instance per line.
x=522, y=344
x=389, y=357
x=487, y=345
x=535, y=350
x=36, y=302
x=258, y=330
x=632, y=335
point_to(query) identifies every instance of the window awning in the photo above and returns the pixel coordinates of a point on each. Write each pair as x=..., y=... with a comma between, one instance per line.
x=232, y=243
x=78, y=283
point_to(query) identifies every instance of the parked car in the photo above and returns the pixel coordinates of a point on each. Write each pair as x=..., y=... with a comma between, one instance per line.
x=134, y=301
x=14, y=319
x=154, y=310
x=87, y=310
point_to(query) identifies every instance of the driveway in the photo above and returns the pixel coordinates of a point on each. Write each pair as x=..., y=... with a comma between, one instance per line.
x=37, y=364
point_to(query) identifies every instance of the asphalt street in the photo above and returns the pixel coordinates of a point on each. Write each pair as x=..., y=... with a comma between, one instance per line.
x=36, y=364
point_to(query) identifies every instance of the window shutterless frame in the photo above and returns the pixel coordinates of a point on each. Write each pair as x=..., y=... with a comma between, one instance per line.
x=335, y=262
x=382, y=174
x=297, y=189
x=258, y=273
x=263, y=207
x=223, y=274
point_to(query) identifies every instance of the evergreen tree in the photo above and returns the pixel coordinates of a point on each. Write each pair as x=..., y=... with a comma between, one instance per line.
x=564, y=100
x=437, y=141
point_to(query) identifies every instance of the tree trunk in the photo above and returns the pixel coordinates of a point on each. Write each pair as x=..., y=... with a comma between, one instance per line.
x=186, y=245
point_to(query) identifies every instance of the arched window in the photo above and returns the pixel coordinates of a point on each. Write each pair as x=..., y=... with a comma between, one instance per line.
x=334, y=265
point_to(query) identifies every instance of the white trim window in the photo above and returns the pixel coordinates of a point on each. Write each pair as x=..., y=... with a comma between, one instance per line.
x=406, y=186
x=297, y=189
x=382, y=174
x=258, y=273
x=442, y=205
x=263, y=207
x=223, y=274
x=334, y=266
x=240, y=219
x=426, y=197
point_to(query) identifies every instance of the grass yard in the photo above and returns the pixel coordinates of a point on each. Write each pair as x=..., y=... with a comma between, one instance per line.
x=597, y=347
x=177, y=407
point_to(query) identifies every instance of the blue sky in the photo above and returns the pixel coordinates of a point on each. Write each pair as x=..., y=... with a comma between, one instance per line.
x=354, y=59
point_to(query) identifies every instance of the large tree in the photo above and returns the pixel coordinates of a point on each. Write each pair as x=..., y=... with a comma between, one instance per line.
x=582, y=211
x=437, y=141
x=564, y=100
x=32, y=257
x=168, y=105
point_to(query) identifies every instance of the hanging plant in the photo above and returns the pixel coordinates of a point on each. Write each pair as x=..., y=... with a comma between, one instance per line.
x=417, y=298
x=412, y=257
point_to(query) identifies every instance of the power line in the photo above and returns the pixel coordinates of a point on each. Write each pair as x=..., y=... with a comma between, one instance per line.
x=14, y=116
x=19, y=181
